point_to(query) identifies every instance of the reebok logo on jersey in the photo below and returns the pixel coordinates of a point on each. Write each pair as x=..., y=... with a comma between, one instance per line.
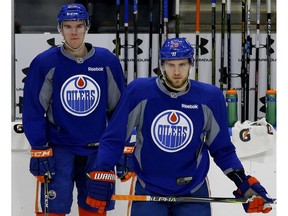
x=95, y=69
x=80, y=95
x=189, y=106
x=172, y=130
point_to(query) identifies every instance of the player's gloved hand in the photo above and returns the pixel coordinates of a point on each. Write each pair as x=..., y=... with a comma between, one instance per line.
x=42, y=163
x=100, y=187
x=252, y=188
x=124, y=167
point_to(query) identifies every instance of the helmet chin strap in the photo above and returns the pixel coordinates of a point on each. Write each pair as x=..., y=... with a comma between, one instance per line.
x=74, y=49
x=65, y=42
x=180, y=89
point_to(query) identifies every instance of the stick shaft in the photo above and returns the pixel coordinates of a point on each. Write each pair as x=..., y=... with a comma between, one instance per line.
x=135, y=37
x=179, y=199
x=197, y=21
x=161, y=22
x=243, y=63
x=46, y=195
x=165, y=11
x=126, y=23
x=257, y=60
x=177, y=18
x=150, y=36
x=117, y=44
x=222, y=69
x=213, y=32
x=228, y=4
x=248, y=51
x=268, y=44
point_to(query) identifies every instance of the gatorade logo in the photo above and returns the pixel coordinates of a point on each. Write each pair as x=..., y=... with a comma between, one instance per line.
x=244, y=135
x=80, y=95
x=172, y=130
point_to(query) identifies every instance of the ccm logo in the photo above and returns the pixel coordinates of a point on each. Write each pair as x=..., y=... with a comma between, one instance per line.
x=41, y=153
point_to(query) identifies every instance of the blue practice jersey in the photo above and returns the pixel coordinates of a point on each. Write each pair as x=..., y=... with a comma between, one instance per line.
x=68, y=100
x=171, y=156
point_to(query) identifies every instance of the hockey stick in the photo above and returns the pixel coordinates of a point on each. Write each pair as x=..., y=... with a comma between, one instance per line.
x=228, y=4
x=172, y=199
x=223, y=73
x=135, y=37
x=150, y=36
x=213, y=31
x=243, y=65
x=117, y=42
x=157, y=70
x=161, y=25
x=268, y=44
x=248, y=53
x=197, y=21
x=257, y=60
x=46, y=195
x=177, y=18
x=268, y=54
x=126, y=23
x=165, y=20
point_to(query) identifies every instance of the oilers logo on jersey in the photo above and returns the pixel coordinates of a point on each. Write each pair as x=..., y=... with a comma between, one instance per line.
x=172, y=130
x=80, y=95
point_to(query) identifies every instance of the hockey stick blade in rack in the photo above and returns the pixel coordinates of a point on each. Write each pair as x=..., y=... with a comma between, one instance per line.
x=182, y=199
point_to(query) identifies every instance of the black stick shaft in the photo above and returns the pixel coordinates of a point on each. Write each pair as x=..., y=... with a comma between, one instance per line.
x=257, y=60
x=46, y=195
x=177, y=18
x=117, y=44
x=213, y=32
x=197, y=38
x=268, y=44
x=172, y=199
x=158, y=71
x=248, y=52
x=135, y=37
x=126, y=23
x=228, y=4
x=243, y=63
x=222, y=68
x=161, y=22
x=150, y=36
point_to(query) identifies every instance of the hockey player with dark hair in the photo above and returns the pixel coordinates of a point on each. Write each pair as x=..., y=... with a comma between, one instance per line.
x=70, y=94
x=178, y=123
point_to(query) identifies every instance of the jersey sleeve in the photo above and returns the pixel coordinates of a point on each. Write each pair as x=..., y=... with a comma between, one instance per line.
x=220, y=146
x=116, y=84
x=118, y=131
x=35, y=104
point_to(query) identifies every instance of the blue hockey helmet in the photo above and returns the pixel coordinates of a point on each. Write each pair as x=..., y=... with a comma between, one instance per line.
x=176, y=48
x=73, y=12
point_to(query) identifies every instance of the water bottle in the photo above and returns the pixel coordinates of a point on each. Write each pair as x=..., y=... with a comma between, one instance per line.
x=232, y=103
x=271, y=107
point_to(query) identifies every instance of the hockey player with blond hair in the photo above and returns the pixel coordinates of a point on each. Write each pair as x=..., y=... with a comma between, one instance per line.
x=179, y=122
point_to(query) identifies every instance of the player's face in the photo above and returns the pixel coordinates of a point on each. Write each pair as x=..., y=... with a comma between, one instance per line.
x=177, y=72
x=74, y=32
